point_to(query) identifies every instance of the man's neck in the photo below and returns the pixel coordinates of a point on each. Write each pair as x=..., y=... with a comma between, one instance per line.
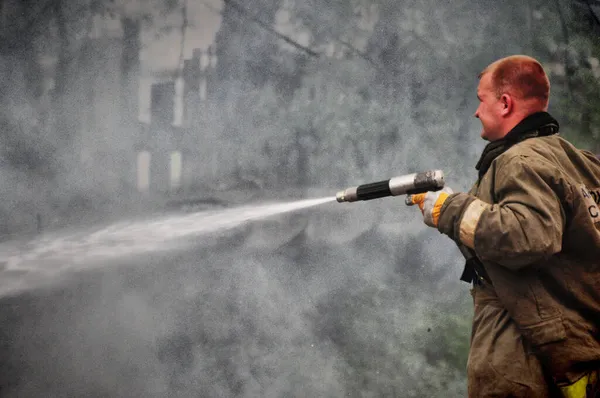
x=516, y=119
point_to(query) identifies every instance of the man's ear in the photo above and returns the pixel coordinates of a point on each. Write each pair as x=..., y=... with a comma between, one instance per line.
x=507, y=104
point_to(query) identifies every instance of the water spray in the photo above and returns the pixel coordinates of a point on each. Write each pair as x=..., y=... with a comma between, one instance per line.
x=432, y=180
x=54, y=253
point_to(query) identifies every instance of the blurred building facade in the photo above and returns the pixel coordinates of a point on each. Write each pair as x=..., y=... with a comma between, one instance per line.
x=133, y=131
x=140, y=130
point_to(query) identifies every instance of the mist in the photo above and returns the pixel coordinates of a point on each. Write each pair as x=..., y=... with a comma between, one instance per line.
x=116, y=112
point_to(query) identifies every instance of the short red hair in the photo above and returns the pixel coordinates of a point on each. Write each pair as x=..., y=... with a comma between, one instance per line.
x=521, y=76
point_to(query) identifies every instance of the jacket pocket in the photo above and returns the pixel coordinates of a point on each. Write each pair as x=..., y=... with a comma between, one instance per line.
x=548, y=331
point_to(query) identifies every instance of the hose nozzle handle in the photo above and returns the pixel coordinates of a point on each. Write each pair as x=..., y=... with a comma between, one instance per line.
x=432, y=180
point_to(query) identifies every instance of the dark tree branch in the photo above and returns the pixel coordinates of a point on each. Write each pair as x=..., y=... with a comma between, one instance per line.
x=565, y=32
x=592, y=12
x=241, y=10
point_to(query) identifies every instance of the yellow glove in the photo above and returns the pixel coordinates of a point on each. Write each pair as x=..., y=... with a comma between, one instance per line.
x=430, y=204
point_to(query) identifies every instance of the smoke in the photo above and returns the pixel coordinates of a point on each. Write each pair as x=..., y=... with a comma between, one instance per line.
x=282, y=316
x=348, y=300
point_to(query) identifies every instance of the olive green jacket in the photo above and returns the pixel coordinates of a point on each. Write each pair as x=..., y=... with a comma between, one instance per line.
x=533, y=220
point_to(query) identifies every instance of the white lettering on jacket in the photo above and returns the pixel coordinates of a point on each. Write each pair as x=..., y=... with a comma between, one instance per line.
x=591, y=198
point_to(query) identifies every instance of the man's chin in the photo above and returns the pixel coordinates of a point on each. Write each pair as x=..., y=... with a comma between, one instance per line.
x=484, y=135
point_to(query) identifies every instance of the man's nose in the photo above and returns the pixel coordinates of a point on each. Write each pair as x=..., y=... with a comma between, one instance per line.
x=476, y=114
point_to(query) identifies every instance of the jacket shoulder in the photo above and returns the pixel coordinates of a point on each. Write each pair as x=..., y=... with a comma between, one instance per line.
x=533, y=151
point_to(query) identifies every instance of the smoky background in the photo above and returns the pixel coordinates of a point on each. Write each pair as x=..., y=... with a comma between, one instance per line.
x=227, y=103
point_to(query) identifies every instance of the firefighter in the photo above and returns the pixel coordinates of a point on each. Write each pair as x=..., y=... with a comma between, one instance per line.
x=530, y=230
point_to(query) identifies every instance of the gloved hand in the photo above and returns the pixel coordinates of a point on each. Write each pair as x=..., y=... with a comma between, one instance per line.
x=430, y=204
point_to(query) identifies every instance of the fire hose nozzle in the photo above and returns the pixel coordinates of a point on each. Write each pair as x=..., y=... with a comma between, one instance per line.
x=347, y=195
x=432, y=180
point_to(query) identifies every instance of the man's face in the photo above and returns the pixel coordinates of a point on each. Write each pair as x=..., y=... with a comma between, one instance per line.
x=489, y=110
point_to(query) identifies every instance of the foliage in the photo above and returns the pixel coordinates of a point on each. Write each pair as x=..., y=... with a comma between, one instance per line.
x=573, y=51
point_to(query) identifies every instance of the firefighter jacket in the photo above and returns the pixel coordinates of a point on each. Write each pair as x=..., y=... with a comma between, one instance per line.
x=533, y=221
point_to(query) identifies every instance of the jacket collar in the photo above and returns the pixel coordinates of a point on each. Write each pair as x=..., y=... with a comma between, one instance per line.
x=535, y=125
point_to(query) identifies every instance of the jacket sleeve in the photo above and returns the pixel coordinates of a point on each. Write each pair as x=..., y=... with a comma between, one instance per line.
x=524, y=226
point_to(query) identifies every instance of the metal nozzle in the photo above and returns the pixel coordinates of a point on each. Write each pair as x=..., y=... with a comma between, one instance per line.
x=347, y=195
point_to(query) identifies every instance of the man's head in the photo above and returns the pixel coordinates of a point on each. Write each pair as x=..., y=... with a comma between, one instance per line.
x=510, y=89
